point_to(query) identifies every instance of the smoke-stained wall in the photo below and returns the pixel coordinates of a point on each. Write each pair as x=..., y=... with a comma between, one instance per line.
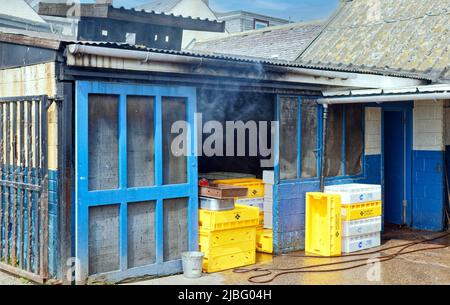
x=223, y=106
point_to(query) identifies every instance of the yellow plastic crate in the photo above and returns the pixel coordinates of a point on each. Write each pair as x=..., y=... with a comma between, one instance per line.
x=217, y=243
x=358, y=211
x=264, y=241
x=229, y=261
x=255, y=186
x=323, y=224
x=261, y=219
x=240, y=217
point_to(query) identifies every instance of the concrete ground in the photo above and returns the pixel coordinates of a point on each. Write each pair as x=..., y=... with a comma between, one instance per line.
x=8, y=279
x=429, y=267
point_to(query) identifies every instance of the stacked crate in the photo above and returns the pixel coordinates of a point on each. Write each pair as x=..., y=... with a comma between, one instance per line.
x=361, y=208
x=255, y=194
x=228, y=238
x=264, y=234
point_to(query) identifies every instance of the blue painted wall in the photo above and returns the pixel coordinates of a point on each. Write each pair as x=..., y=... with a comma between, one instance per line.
x=428, y=190
x=53, y=246
x=289, y=216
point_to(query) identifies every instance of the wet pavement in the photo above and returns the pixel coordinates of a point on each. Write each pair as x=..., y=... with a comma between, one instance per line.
x=422, y=268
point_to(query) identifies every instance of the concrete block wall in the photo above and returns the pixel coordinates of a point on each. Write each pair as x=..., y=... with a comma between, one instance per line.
x=372, y=143
x=428, y=125
x=373, y=131
x=429, y=137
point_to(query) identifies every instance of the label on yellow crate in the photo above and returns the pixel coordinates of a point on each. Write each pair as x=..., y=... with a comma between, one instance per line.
x=361, y=210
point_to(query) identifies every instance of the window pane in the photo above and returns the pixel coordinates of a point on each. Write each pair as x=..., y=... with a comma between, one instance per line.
x=174, y=144
x=141, y=234
x=308, y=139
x=103, y=142
x=333, y=166
x=140, y=141
x=354, y=139
x=104, y=239
x=175, y=228
x=288, y=137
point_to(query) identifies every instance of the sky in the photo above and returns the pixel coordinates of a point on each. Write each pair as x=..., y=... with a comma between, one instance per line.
x=295, y=10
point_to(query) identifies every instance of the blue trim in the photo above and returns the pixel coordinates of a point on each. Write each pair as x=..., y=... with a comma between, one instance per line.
x=276, y=241
x=124, y=195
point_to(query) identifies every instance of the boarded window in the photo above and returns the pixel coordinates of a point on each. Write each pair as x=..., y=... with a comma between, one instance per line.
x=354, y=139
x=175, y=228
x=288, y=137
x=333, y=166
x=103, y=142
x=308, y=139
x=104, y=239
x=174, y=144
x=141, y=234
x=140, y=141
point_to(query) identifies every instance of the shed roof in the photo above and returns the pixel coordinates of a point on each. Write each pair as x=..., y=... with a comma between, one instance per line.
x=140, y=16
x=19, y=9
x=284, y=42
x=159, y=5
x=400, y=35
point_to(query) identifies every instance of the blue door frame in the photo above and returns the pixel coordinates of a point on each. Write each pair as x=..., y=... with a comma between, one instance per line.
x=124, y=195
x=406, y=157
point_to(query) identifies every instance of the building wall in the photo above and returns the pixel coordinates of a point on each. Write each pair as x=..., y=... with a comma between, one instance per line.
x=289, y=213
x=243, y=21
x=38, y=80
x=428, y=165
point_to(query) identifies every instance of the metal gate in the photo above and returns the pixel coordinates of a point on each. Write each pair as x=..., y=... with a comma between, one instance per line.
x=24, y=187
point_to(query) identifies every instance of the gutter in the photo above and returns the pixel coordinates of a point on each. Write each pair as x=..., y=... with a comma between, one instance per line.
x=149, y=56
x=384, y=98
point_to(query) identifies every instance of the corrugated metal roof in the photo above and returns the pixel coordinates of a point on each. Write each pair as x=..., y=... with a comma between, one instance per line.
x=22, y=37
x=284, y=42
x=250, y=59
x=397, y=35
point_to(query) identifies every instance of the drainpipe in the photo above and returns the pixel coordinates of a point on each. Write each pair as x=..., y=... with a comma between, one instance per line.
x=323, y=155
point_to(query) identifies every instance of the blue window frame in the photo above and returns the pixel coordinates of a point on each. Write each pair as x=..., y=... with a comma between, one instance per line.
x=347, y=148
x=301, y=113
x=123, y=195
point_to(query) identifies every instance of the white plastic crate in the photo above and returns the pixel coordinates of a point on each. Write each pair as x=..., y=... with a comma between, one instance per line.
x=360, y=227
x=356, y=193
x=268, y=190
x=269, y=177
x=268, y=205
x=251, y=202
x=361, y=242
x=268, y=220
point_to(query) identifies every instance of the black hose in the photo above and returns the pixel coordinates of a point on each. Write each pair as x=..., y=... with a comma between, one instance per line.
x=307, y=269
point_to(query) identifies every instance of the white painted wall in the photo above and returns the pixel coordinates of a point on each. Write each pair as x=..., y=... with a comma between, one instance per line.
x=373, y=131
x=195, y=9
x=428, y=125
x=447, y=122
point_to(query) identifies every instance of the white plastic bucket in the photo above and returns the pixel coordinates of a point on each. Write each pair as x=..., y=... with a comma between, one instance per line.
x=192, y=264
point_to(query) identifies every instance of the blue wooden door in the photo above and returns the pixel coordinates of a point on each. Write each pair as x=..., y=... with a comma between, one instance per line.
x=397, y=130
x=136, y=179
